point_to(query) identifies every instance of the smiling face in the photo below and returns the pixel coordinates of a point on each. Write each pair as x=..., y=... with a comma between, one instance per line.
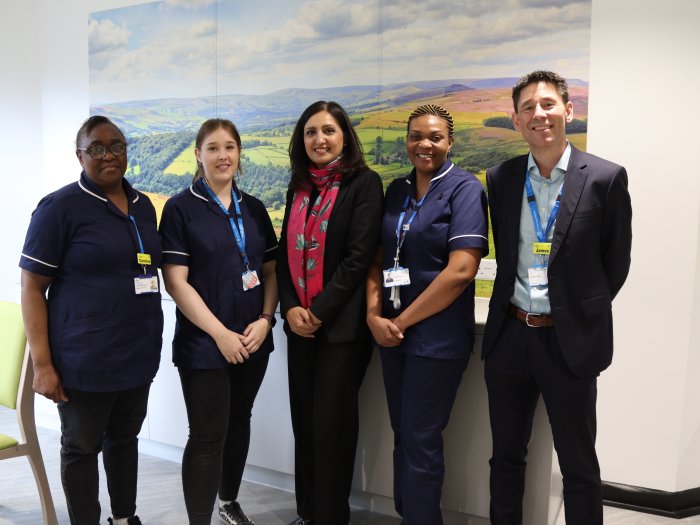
x=542, y=117
x=219, y=155
x=108, y=171
x=323, y=138
x=428, y=143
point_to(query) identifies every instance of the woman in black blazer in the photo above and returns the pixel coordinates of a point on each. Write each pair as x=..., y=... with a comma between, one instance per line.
x=329, y=235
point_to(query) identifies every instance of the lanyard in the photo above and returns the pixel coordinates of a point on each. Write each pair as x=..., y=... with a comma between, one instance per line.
x=238, y=232
x=541, y=235
x=138, y=236
x=402, y=229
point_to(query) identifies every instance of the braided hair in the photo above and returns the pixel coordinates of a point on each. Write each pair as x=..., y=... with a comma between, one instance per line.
x=437, y=111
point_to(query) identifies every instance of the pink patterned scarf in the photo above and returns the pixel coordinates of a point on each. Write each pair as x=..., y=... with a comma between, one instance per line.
x=306, y=238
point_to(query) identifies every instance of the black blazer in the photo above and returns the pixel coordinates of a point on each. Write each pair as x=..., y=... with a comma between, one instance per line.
x=590, y=256
x=351, y=241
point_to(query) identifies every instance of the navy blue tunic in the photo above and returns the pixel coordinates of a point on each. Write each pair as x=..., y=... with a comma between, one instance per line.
x=197, y=234
x=452, y=217
x=103, y=336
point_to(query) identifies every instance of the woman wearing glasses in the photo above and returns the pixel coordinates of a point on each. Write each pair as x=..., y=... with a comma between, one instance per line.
x=95, y=342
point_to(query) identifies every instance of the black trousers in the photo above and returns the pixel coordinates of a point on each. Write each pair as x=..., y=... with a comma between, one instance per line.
x=524, y=363
x=219, y=406
x=107, y=422
x=324, y=380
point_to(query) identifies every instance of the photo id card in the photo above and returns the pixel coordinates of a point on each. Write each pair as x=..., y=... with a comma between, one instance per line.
x=250, y=280
x=537, y=276
x=396, y=277
x=146, y=284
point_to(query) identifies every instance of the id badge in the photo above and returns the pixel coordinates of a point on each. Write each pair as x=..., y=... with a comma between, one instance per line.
x=542, y=248
x=396, y=277
x=537, y=276
x=250, y=280
x=146, y=284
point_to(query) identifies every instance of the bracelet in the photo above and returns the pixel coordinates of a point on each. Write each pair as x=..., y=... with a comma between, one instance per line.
x=267, y=318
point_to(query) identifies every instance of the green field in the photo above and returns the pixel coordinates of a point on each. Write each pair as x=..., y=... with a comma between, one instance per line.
x=382, y=132
x=185, y=163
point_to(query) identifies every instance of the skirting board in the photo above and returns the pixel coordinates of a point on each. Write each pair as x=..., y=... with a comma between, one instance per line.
x=681, y=504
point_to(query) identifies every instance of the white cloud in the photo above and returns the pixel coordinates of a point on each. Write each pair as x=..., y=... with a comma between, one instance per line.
x=337, y=42
x=106, y=36
x=192, y=5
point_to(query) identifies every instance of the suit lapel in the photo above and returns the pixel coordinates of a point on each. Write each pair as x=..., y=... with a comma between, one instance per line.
x=512, y=202
x=574, y=181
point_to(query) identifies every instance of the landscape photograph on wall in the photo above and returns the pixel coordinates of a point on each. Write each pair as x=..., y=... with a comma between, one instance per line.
x=160, y=69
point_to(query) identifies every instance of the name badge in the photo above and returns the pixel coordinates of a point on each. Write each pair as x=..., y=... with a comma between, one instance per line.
x=250, y=280
x=143, y=258
x=537, y=276
x=396, y=277
x=542, y=248
x=146, y=284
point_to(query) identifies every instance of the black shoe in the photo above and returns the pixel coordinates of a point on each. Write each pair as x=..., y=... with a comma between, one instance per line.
x=133, y=520
x=232, y=514
x=302, y=521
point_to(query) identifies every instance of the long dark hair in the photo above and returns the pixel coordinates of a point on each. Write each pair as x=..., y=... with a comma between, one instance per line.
x=208, y=127
x=353, y=160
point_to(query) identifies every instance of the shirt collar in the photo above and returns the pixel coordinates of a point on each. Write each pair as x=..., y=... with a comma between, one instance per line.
x=444, y=170
x=88, y=186
x=200, y=191
x=558, y=171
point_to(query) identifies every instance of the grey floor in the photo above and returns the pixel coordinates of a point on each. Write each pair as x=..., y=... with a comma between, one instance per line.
x=160, y=499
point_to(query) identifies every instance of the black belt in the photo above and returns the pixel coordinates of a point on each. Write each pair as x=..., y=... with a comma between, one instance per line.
x=530, y=319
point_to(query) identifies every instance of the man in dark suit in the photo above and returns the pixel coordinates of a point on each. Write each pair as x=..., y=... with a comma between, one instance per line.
x=562, y=231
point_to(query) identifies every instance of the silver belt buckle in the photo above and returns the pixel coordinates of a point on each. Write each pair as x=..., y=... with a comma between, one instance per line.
x=527, y=319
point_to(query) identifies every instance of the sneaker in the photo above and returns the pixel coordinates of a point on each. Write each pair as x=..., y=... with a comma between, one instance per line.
x=133, y=520
x=232, y=514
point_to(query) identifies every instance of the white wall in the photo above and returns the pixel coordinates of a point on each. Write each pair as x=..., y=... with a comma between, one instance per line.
x=21, y=137
x=643, y=113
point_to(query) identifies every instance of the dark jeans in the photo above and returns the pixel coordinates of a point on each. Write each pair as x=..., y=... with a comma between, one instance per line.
x=219, y=406
x=107, y=422
x=420, y=393
x=324, y=380
x=524, y=363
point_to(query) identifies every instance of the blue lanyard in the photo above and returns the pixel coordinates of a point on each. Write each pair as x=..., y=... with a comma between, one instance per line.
x=402, y=229
x=541, y=235
x=138, y=235
x=238, y=232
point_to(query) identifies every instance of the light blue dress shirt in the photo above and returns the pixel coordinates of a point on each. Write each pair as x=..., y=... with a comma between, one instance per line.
x=535, y=299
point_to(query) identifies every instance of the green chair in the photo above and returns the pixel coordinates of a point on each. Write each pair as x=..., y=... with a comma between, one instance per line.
x=16, y=375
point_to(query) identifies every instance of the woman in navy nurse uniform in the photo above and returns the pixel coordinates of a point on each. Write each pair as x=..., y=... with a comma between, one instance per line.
x=95, y=342
x=219, y=251
x=329, y=236
x=420, y=305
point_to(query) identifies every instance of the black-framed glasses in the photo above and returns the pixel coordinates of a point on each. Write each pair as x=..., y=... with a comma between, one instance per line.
x=98, y=152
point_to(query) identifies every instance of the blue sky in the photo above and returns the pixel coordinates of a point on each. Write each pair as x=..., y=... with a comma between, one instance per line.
x=189, y=48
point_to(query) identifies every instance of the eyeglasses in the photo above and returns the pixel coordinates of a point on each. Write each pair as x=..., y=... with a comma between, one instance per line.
x=98, y=152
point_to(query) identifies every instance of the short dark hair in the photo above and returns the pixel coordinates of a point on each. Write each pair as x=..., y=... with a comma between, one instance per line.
x=90, y=124
x=437, y=111
x=548, y=77
x=208, y=127
x=353, y=159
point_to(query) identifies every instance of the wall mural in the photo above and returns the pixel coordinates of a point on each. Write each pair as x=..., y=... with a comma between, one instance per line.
x=160, y=69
